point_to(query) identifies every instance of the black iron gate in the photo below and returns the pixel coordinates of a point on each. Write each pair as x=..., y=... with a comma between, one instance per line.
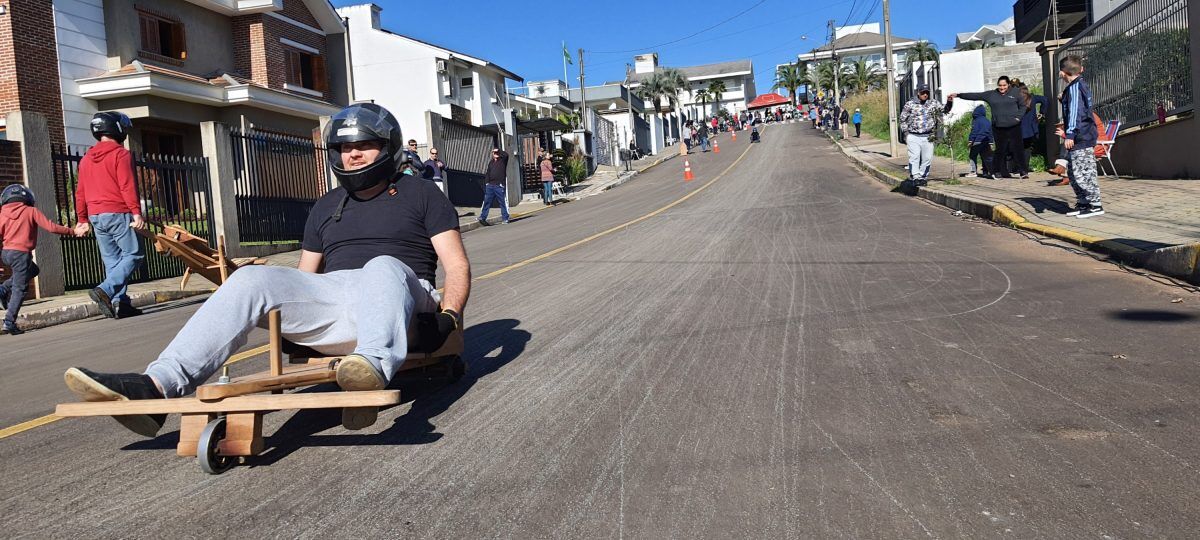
x=278, y=178
x=466, y=150
x=171, y=189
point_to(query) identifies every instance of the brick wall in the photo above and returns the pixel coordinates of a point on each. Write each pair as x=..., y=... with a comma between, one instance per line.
x=29, y=64
x=296, y=11
x=258, y=53
x=1017, y=61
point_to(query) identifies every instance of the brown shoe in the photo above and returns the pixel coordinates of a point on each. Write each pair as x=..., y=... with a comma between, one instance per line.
x=1060, y=182
x=1057, y=169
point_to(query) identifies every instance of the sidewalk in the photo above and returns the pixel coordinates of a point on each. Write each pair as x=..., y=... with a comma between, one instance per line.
x=76, y=306
x=1150, y=223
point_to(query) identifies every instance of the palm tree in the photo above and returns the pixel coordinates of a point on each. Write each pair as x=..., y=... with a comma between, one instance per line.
x=788, y=76
x=650, y=89
x=977, y=44
x=672, y=81
x=717, y=88
x=864, y=76
x=703, y=97
x=923, y=51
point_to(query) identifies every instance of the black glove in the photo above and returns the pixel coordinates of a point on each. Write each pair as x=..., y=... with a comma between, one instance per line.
x=434, y=328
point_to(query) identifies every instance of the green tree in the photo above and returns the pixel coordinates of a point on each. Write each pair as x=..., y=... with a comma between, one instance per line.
x=864, y=76
x=788, y=77
x=664, y=85
x=923, y=51
x=717, y=89
x=703, y=97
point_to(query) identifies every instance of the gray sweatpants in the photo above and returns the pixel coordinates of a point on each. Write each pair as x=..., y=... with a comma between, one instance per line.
x=920, y=155
x=365, y=311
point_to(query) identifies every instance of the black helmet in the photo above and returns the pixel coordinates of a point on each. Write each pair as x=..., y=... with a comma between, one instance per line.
x=365, y=122
x=111, y=123
x=16, y=192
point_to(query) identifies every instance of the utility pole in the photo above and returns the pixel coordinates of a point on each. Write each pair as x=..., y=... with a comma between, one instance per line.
x=837, y=65
x=891, y=78
x=582, y=94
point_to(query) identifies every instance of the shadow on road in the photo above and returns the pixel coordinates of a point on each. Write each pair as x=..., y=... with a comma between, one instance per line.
x=1152, y=316
x=1041, y=204
x=429, y=398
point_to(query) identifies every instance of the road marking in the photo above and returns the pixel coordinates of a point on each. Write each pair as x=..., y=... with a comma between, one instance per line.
x=50, y=418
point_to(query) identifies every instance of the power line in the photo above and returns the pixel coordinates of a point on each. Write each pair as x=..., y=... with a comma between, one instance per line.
x=739, y=14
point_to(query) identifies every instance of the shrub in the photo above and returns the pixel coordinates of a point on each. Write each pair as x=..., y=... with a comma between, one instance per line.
x=575, y=169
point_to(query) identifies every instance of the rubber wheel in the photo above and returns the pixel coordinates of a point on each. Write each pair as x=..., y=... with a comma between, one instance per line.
x=206, y=448
x=458, y=368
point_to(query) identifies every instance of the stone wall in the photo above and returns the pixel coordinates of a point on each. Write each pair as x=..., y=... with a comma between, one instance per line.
x=1020, y=61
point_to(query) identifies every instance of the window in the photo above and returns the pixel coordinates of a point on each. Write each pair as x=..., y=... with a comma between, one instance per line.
x=305, y=70
x=161, y=36
x=466, y=82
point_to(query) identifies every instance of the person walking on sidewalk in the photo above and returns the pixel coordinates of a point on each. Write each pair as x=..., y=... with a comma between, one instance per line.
x=19, y=223
x=547, y=168
x=980, y=141
x=702, y=132
x=857, y=119
x=920, y=120
x=845, y=122
x=1007, y=110
x=363, y=289
x=106, y=201
x=496, y=176
x=1079, y=137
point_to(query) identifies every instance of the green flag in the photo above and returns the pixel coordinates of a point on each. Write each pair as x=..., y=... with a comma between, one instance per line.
x=567, y=55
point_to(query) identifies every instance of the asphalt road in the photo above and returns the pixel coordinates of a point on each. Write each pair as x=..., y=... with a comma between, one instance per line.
x=792, y=352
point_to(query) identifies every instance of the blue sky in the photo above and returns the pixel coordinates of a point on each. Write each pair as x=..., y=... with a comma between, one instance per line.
x=526, y=38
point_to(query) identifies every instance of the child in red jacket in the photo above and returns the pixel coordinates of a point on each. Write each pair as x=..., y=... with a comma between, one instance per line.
x=19, y=222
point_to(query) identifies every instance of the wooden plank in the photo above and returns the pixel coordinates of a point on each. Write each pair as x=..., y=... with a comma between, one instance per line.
x=190, y=426
x=292, y=377
x=274, y=328
x=254, y=403
x=243, y=435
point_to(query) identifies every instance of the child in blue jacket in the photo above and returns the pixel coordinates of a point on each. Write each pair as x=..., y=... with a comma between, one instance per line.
x=981, y=143
x=1079, y=135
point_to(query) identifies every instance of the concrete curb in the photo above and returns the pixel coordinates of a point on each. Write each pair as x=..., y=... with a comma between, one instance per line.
x=76, y=312
x=1181, y=262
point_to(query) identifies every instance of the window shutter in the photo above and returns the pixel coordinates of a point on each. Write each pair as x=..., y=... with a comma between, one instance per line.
x=318, y=74
x=150, y=41
x=178, y=42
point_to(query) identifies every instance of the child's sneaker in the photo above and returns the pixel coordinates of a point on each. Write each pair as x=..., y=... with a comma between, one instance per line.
x=1079, y=208
x=1091, y=211
x=12, y=330
x=970, y=175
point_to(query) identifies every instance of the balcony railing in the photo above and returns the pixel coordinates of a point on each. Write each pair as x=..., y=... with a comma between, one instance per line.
x=1136, y=58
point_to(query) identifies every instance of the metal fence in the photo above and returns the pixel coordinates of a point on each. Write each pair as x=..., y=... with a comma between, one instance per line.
x=604, y=140
x=277, y=179
x=1136, y=58
x=171, y=189
x=466, y=150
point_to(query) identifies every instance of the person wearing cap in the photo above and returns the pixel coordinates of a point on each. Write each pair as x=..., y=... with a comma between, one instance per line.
x=364, y=287
x=1007, y=110
x=19, y=224
x=857, y=120
x=106, y=202
x=496, y=176
x=920, y=120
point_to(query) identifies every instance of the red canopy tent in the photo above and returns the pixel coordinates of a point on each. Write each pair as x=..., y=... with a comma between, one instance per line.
x=768, y=100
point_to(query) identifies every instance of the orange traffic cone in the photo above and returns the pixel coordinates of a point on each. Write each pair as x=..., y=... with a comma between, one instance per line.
x=687, y=171
x=732, y=132
x=716, y=147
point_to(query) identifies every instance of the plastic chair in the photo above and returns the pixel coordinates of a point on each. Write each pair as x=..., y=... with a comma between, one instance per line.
x=1108, y=142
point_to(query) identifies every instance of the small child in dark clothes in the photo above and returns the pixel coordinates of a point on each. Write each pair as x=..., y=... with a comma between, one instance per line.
x=981, y=142
x=19, y=222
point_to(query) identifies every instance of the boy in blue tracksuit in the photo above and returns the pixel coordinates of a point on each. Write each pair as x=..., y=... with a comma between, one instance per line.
x=980, y=141
x=1079, y=137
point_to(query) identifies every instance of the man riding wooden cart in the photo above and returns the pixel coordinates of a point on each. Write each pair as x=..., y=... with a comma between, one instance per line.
x=362, y=303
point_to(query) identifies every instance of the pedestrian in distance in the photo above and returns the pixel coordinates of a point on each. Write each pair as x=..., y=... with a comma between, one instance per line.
x=857, y=120
x=363, y=286
x=435, y=170
x=1079, y=135
x=695, y=137
x=845, y=122
x=496, y=176
x=413, y=165
x=702, y=132
x=980, y=142
x=546, y=166
x=920, y=120
x=19, y=223
x=106, y=202
x=1007, y=110
x=812, y=116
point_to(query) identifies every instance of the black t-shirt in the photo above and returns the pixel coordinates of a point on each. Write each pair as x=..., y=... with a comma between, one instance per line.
x=398, y=225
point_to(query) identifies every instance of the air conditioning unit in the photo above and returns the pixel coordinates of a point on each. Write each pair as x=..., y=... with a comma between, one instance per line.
x=441, y=65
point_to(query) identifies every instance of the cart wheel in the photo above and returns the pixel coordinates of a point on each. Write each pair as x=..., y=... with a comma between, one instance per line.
x=206, y=448
x=458, y=368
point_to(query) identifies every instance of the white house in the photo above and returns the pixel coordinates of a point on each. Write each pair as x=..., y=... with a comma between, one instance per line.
x=738, y=77
x=860, y=42
x=409, y=76
x=988, y=35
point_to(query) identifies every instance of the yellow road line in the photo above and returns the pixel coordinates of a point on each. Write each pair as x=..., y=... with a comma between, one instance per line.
x=50, y=418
